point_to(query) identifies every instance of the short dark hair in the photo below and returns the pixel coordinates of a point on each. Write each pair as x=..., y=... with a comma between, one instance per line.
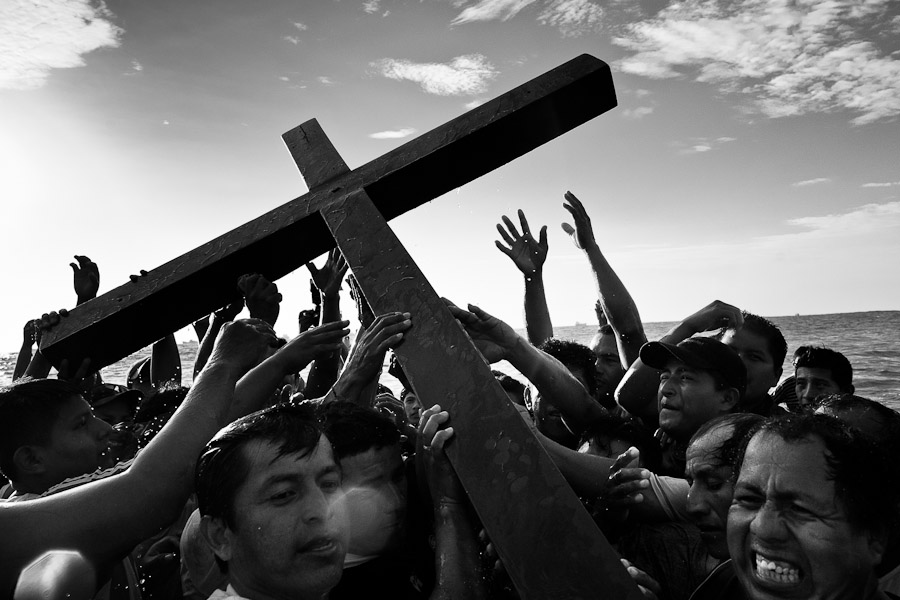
x=728, y=453
x=222, y=467
x=855, y=464
x=628, y=429
x=28, y=410
x=510, y=384
x=887, y=430
x=819, y=357
x=353, y=429
x=574, y=355
x=765, y=328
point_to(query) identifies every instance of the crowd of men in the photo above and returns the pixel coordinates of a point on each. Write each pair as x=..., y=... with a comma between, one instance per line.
x=710, y=473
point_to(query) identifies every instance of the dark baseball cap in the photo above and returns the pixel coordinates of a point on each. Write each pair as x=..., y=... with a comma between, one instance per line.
x=704, y=353
x=107, y=392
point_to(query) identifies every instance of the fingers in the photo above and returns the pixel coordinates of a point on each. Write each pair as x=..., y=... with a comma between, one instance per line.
x=542, y=236
x=430, y=421
x=629, y=456
x=568, y=229
x=506, y=237
x=524, y=222
x=313, y=270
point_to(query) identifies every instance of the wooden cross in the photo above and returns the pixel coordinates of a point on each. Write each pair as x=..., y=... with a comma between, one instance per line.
x=548, y=542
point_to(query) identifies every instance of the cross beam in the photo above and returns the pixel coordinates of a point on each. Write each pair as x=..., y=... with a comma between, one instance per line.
x=173, y=295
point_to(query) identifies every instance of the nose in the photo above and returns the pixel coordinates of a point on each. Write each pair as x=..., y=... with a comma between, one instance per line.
x=318, y=507
x=696, y=504
x=767, y=524
x=666, y=387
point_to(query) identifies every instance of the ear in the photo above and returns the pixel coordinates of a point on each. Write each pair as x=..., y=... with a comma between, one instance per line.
x=218, y=536
x=28, y=460
x=878, y=542
x=730, y=399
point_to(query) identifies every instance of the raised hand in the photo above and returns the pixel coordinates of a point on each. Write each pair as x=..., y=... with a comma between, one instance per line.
x=648, y=586
x=262, y=297
x=582, y=234
x=367, y=355
x=313, y=343
x=627, y=481
x=434, y=434
x=527, y=253
x=31, y=333
x=493, y=337
x=328, y=279
x=86, y=278
x=715, y=315
x=243, y=344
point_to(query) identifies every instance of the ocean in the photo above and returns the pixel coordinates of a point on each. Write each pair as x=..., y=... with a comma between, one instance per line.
x=870, y=340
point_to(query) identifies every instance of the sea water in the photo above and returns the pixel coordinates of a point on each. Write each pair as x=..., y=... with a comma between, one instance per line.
x=870, y=340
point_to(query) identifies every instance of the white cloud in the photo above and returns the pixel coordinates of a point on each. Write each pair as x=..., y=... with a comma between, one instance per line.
x=638, y=112
x=464, y=75
x=572, y=17
x=790, y=57
x=284, y=78
x=881, y=185
x=39, y=35
x=702, y=144
x=325, y=80
x=136, y=66
x=868, y=218
x=292, y=39
x=491, y=10
x=808, y=182
x=371, y=6
x=393, y=135
x=474, y=103
x=166, y=122
x=300, y=26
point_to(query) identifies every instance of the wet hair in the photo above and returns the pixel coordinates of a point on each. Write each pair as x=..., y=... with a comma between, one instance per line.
x=353, y=429
x=627, y=429
x=223, y=467
x=511, y=384
x=819, y=357
x=765, y=328
x=887, y=430
x=574, y=356
x=855, y=464
x=28, y=410
x=729, y=452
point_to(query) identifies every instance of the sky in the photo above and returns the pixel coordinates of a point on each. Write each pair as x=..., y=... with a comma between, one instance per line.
x=754, y=156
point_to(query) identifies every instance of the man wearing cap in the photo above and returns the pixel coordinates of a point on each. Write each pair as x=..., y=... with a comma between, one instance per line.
x=700, y=379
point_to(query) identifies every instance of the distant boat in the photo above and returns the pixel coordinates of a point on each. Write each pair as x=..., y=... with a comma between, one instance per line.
x=579, y=324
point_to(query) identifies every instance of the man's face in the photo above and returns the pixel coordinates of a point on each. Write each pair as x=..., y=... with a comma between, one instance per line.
x=609, y=365
x=788, y=534
x=812, y=382
x=115, y=412
x=290, y=534
x=711, y=488
x=376, y=488
x=78, y=442
x=688, y=398
x=413, y=408
x=762, y=372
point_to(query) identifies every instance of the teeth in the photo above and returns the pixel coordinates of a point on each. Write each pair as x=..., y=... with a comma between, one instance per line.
x=772, y=570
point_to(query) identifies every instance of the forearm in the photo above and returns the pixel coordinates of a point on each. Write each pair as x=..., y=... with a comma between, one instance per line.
x=255, y=389
x=39, y=367
x=22, y=361
x=537, y=316
x=324, y=371
x=165, y=362
x=618, y=305
x=637, y=393
x=587, y=474
x=457, y=555
x=206, y=345
x=556, y=384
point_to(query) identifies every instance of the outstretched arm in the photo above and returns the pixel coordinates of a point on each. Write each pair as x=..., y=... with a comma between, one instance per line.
x=219, y=318
x=529, y=255
x=618, y=306
x=498, y=341
x=324, y=370
x=116, y=513
x=457, y=554
x=360, y=375
x=637, y=392
x=31, y=335
x=262, y=297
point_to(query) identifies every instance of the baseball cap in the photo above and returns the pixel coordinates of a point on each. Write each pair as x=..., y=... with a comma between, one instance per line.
x=704, y=353
x=105, y=393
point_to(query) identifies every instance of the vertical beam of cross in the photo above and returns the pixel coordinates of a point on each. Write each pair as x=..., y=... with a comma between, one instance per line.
x=550, y=546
